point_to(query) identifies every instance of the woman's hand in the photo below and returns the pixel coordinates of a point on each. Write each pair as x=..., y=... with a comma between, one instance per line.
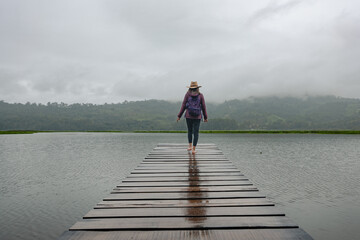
x=205, y=120
x=178, y=119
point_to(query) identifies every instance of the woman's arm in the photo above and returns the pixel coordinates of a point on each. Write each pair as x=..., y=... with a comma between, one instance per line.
x=203, y=107
x=183, y=106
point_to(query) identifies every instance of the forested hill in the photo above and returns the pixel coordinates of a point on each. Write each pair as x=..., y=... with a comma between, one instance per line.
x=270, y=113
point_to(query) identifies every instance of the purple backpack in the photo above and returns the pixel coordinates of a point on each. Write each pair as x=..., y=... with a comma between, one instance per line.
x=193, y=105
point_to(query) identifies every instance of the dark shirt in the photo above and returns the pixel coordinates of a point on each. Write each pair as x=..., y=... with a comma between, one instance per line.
x=202, y=104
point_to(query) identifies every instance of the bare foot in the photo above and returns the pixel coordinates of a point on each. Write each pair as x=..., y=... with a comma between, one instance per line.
x=189, y=148
x=193, y=151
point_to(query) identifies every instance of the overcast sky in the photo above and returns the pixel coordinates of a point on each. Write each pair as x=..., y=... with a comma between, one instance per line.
x=115, y=50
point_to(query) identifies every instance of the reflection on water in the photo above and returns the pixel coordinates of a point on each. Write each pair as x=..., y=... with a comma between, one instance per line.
x=196, y=212
x=48, y=181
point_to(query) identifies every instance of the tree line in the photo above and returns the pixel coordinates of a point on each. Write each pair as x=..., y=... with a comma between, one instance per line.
x=267, y=113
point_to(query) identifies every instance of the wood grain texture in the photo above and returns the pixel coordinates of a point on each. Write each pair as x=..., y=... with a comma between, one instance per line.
x=209, y=234
x=208, y=170
x=186, y=163
x=175, y=168
x=203, y=157
x=239, y=202
x=185, y=189
x=185, y=223
x=185, y=179
x=184, y=212
x=134, y=175
x=176, y=195
x=185, y=184
x=184, y=196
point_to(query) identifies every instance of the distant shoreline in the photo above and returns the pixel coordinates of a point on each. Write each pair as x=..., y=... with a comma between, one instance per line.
x=203, y=131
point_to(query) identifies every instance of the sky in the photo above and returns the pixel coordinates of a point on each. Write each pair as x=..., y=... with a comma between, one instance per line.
x=108, y=51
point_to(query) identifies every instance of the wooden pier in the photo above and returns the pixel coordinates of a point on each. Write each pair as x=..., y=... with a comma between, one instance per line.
x=173, y=194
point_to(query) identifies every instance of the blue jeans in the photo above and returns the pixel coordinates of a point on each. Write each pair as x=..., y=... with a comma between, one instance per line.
x=193, y=126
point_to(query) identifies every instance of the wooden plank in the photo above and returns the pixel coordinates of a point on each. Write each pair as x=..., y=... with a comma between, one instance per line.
x=186, y=184
x=184, y=212
x=183, y=223
x=185, y=147
x=209, y=234
x=189, y=168
x=134, y=175
x=186, y=189
x=238, y=202
x=184, y=179
x=186, y=153
x=199, y=158
x=192, y=180
x=184, y=144
x=186, y=163
x=183, y=170
x=168, y=145
x=182, y=159
x=166, y=160
x=186, y=156
x=189, y=157
x=182, y=196
x=184, y=150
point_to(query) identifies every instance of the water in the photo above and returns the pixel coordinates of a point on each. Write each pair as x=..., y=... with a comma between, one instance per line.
x=48, y=181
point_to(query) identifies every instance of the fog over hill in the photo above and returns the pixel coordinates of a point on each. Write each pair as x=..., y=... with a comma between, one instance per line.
x=267, y=113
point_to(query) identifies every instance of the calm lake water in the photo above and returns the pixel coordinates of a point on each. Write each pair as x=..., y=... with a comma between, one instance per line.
x=48, y=181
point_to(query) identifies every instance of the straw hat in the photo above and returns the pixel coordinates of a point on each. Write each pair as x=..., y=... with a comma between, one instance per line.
x=193, y=85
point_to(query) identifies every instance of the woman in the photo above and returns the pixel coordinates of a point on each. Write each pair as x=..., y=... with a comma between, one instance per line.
x=194, y=103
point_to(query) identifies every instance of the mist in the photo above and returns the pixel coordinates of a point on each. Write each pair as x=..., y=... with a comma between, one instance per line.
x=111, y=51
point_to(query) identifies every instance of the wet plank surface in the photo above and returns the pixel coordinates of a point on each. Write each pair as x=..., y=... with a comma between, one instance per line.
x=185, y=189
x=167, y=223
x=173, y=194
x=185, y=179
x=185, y=170
x=205, y=234
x=185, y=184
x=184, y=212
x=184, y=174
x=240, y=202
x=189, y=195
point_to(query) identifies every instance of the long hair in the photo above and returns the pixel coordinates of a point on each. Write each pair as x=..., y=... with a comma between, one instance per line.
x=194, y=90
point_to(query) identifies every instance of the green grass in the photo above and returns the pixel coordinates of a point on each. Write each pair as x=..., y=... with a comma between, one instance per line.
x=18, y=132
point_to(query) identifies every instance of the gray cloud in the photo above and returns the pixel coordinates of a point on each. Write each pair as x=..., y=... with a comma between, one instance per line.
x=272, y=9
x=109, y=51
